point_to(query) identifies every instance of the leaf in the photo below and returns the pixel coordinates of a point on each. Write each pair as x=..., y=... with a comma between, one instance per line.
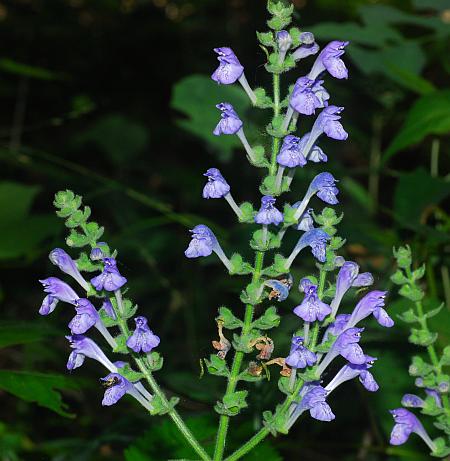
x=134, y=454
x=39, y=388
x=415, y=192
x=121, y=139
x=270, y=319
x=230, y=321
x=193, y=97
x=428, y=115
x=14, y=333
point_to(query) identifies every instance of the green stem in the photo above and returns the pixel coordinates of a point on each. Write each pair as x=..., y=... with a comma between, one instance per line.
x=276, y=112
x=236, y=366
x=173, y=414
x=264, y=432
x=249, y=445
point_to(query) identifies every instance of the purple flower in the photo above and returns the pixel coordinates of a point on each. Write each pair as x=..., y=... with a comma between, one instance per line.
x=290, y=155
x=305, y=222
x=321, y=93
x=284, y=41
x=67, y=265
x=347, y=346
x=268, y=214
x=323, y=185
x=57, y=291
x=405, y=424
x=435, y=395
x=315, y=401
x=108, y=308
x=142, y=339
x=328, y=123
x=314, y=153
x=412, y=401
x=312, y=308
x=347, y=277
x=84, y=347
x=330, y=59
x=110, y=279
x=303, y=99
x=280, y=288
x=299, y=356
x=48, y=305
x=307, y=48
x=229, y=123
x=216, y=187
x=351, y=371
x=337, y=327
x=317, y=239
x=85, y=318
x=230, y=69
x=116, y=387
x=202, y=243
x=97, y=253
x=372, y=303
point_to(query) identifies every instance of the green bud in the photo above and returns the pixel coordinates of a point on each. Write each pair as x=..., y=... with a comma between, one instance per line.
x=403, y=256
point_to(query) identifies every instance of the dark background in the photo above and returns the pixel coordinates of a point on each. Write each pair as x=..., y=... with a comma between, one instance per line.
x=99, y=97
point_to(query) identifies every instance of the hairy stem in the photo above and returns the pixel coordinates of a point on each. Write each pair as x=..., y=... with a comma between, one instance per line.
x=143, y=367
x=264, y=432
x=236, y=366
x=276, y=112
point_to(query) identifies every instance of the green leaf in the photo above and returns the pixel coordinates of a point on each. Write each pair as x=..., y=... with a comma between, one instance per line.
x=433, y=312
x=270, y=319
x=122, y=140
x=14, y=333
x=16, y=200
x=128, y=373
x=232, y=404
x=445, y=359
x=419, y=367
x=442, y=450
x=399, y=278
x=217, y=366
x=155, y=361
x=411, y=292
x=39, y=388
x=161, y=408
x=230, y=321
x=134, y=454
x=408, y=316
x=428, y=115
x=192, y=97
x=422, y=337
x=121, y=347
x=239, y=266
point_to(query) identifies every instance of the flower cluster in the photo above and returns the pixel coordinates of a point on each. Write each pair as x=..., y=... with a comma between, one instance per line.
x=325, y=333
x=103, y=289
x=429, y=374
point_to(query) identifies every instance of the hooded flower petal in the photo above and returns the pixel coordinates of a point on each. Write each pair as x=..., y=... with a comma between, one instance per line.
x=290, y=155
x=315, y=401
x=216, y=187
x=85, y=318
x=312, y=308
x=67, y=265
x=306, y=221
x=110, y=279
x=372, y=303
x=58, y=289
x=229, y=123
x=230, y=69
x=323, y=185
x=303, y=99
x=406, y=423
x=330, y=59
x=85, y=347
x=284, y=40
x=268, y=214
x=142, y=339
x=116, y=387
x=48, y=305
x=412, y=401
x=202, y=243
x=299, y=356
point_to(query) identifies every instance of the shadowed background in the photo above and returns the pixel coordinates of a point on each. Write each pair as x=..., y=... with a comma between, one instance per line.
x=113, y=100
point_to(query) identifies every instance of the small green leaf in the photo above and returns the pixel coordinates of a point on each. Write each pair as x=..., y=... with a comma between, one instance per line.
x=399, y=278
x=266, y=38
x=411, y=292
x=445, y=359
x=121, y=347
x=217, y=366
x=419, y=273
x=128, y=373
x=434, y=312
x=408, y=316
x=248, y=213
x=230, y=321
x=238, y=266
x=403, y=256
x=160, y=407
x=422, y=337
x=232, y=404
x=270, y=319
x=419, y=367
x=155, y=361
x=442, y=450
